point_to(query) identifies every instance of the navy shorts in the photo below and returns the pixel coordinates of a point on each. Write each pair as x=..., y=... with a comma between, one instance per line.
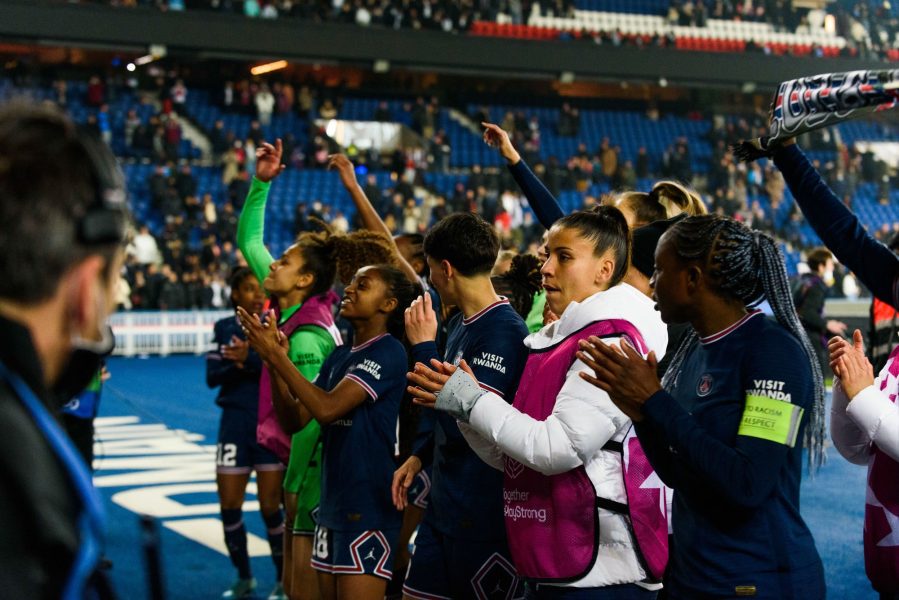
x=443, y=568
x=354, y=552
x=237, y=451
x=418, y=492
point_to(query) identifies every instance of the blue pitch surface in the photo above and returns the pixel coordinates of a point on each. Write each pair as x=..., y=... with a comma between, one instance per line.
x=172, y=392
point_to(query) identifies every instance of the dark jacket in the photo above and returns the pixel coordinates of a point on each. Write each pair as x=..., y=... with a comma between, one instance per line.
x=38, y=506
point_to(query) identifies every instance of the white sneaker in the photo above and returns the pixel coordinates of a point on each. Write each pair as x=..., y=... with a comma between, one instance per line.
x=242, y=588
x=277, y=593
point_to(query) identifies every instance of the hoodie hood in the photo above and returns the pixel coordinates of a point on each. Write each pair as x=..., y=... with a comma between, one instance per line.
x=620, y=302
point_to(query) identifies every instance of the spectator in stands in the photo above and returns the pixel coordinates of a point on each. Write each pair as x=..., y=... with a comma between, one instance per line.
x=239, y=187
x=255, y=134
x=251, y=8
x=178, y=94
x=210, y=214
x=218, y=140
x=172, y=295
x=809, y=291
x=185, y=182
x=233, y=160
x=132, y=122
x=172, y=203
x=157, y=183
x=96, y=92
x=60, y=92
x=569, y=120
x=228, y=99
x=327, y=110
x=269, y=11
x=142, y=141
x=285, y=96
x=641, y=167
x=305, y=100
x=625, y=177
x=339, y=223
x=608, y=158
x=265, y=105
x=227, y=225
x=92, y=126
x=144, y=247
x=172, y=138
x=382, y=113
x=139, y=291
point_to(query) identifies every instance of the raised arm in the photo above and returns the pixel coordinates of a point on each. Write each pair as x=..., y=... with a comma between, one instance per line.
x=251, y=225
x=542, y=202
x=367, y=213
x=873, y=264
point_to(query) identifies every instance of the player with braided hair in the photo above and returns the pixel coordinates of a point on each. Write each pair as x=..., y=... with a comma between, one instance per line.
x=722, y=426
x=748, y=265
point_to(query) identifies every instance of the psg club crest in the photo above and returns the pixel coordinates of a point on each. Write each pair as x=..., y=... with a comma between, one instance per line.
x=704, y=387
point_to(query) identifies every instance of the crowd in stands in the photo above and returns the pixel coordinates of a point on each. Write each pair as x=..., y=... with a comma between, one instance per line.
x=870, y=27
x=185, y=245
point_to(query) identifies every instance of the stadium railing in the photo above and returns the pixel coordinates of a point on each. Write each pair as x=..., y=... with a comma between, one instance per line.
x=164, y=332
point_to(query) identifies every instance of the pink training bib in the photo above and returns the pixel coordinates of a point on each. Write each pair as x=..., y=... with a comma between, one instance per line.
x=551, y=520
x=315, y=311
x=881, y=536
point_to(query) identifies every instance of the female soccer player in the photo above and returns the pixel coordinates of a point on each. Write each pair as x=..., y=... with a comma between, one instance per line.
x=235, y=370
x=864, y=421
x=723, y=425
x=300, y=284
x=356, y=399
x=560, y=444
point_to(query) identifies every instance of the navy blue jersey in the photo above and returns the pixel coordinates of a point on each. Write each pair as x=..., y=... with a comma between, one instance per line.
x=730, y=444
x=358, y=448
x=239, y=386
x=466, y=494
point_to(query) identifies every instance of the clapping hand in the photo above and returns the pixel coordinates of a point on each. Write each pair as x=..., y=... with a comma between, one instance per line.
x=265, y=338
x=237, y=351
x=428, y=382
x=849, y=363
x=421, y=320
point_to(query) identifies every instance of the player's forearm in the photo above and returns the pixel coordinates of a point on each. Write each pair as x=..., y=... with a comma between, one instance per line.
x=251, y=228
x=316, y=401
x=287, y=410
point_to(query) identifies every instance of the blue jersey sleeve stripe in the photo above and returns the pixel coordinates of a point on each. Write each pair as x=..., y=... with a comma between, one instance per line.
x=365, y=386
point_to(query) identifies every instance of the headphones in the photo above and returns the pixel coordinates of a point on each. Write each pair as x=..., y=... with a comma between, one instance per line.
x=106, y=219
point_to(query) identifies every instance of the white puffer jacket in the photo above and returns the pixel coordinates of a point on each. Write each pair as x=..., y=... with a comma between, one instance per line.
x=582, y=421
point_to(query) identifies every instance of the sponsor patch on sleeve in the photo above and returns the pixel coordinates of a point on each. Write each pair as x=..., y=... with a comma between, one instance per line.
x=769, y=419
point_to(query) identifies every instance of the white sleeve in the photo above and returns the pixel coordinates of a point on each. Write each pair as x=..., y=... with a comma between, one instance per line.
x=878, y=418
x=484, y=448
x=850, y=440
x=582, y=421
